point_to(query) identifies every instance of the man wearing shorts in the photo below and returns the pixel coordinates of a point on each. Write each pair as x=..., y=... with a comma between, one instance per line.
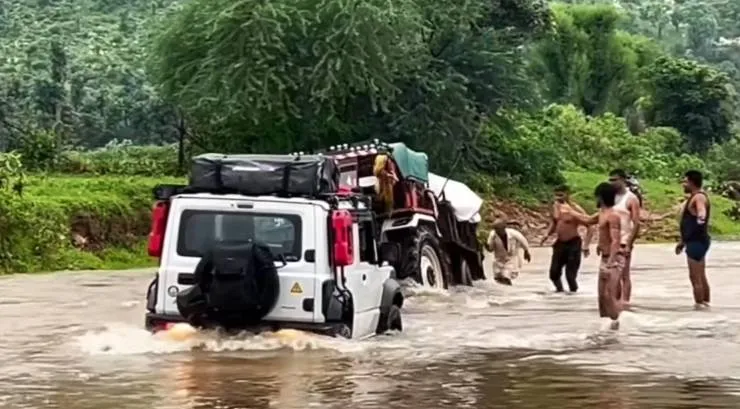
x=695, y=239
x=611, y=250
x=627, y=204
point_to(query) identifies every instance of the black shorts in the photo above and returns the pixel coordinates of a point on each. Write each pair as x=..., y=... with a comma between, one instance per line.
x=697, y=249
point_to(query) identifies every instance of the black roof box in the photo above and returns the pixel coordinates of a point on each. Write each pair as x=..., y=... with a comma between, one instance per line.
x=256, y=175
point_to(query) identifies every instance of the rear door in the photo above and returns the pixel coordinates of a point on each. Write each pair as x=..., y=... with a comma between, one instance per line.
x=285, y=227
x=364, y=277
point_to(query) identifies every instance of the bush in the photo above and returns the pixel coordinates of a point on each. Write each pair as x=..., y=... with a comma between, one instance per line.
x=122, y=158
x=604, y=143
x=530, y=150
x=533, y=149
x=39, y=150
x=521, y=154
x=723, y=161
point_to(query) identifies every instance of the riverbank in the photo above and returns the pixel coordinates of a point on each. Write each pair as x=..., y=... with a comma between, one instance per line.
x=64, y=222
x=659, y=217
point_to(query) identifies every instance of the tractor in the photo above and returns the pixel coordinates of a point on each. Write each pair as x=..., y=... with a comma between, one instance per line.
x=434, y=219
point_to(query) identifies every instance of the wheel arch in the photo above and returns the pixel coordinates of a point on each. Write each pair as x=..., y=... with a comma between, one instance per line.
x=392, y=295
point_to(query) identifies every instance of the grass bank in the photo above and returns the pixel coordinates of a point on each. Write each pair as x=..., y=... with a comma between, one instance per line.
x=65, y=222
x=662, y=206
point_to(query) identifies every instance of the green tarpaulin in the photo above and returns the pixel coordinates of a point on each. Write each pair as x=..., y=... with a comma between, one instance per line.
x=412, y=164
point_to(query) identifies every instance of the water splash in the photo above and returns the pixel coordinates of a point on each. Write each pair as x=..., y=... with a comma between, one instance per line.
x=119, y=339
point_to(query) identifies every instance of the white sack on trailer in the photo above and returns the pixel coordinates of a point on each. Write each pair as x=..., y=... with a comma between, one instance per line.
x=464, y=201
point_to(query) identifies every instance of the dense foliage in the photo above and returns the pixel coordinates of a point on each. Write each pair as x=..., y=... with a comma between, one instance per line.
x=74, y=68
x=253, y=76
x=520, y=91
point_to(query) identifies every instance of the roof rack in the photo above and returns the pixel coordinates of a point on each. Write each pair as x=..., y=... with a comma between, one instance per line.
x=163, y=192
x=355, y=149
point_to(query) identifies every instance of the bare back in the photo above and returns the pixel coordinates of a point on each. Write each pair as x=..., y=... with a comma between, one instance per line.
x=610, y=232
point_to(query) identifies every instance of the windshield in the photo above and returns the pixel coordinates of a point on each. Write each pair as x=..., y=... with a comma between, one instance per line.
x=199, y=230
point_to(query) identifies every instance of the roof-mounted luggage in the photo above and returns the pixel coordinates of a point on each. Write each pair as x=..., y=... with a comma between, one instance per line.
x=258, y=175
x=412, y=164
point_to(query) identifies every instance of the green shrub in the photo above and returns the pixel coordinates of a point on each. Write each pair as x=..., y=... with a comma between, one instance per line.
x=122, y=158
x=530, y=150
x=520, y=153
x=724, y=160
x=39, y=150
x=604, y=142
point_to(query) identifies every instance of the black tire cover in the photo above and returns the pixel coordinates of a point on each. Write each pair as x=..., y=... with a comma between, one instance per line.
x=259, y=263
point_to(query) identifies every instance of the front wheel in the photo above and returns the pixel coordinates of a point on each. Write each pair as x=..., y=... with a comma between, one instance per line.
x=390, y=321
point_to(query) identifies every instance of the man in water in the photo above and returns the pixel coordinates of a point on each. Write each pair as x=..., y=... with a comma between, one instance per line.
x=566, y=251
x=505, y=244
x=695, y=238
x=628, y=207
x=611, y=250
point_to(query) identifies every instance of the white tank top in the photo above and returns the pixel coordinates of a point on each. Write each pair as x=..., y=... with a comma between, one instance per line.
x=620, y=206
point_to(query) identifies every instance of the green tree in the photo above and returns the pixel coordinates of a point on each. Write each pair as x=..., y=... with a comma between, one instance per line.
x=75, y=67
x=305, y=74
x=588, y=62
x=696, y=99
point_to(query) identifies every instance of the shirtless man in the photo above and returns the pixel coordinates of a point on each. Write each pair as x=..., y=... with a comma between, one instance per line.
x=695, y=239
x=628, y=206
x=611, y=250
x=566, y=251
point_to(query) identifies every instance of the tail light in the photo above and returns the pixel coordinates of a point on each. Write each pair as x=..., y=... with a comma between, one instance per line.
x=341, y=223
x=162, y=326
x=159, y=225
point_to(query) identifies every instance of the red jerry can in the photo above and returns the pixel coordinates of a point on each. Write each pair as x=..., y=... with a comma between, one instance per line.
x=341, y=223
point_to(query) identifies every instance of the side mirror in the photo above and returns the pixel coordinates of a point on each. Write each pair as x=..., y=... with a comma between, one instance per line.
x=389, y=252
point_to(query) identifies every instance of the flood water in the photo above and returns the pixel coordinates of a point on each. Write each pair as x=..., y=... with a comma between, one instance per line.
x=75, y=340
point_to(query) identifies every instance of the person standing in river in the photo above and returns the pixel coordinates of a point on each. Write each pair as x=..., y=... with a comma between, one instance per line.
x=611, y=250
x=568, y=246
x=627, y=205
x=695, y=239
x=506, y=244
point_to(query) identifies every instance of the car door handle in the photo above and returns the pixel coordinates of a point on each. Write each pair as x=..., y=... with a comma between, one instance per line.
x=186, y=279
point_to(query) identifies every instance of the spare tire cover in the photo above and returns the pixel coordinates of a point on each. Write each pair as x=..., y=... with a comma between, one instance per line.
x=249, y=269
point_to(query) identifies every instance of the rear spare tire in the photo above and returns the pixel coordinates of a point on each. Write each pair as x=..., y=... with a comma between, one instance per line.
x=236, y=286
x=424, y=260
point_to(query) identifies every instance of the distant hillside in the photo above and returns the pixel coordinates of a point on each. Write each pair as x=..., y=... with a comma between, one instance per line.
x=78, y=65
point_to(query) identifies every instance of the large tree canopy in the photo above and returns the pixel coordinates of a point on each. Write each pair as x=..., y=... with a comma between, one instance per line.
x=589, y=62
x=697, y=100
x=293, y=75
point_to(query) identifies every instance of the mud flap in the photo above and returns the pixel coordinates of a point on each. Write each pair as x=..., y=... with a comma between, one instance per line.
x=151, y=294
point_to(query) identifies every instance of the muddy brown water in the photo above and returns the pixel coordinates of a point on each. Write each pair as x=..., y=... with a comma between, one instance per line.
x=75, y=340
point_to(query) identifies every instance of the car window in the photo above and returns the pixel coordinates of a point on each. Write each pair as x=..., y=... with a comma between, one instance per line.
x=199, y=230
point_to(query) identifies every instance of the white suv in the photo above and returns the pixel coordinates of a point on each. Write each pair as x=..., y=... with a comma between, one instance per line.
x=354, y=295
